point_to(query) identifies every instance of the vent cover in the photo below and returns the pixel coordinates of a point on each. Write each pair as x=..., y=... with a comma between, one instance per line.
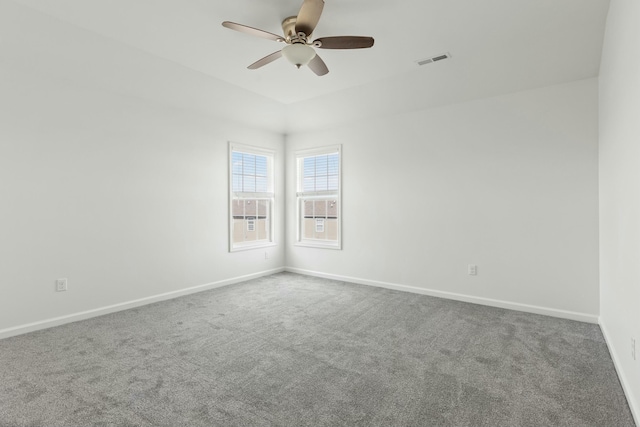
x=433, y=59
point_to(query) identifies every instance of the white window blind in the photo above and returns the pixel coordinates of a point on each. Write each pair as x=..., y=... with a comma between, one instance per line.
x=249, y=173
x=321, y=173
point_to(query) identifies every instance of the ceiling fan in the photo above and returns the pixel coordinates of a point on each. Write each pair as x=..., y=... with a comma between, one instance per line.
x=297, y=36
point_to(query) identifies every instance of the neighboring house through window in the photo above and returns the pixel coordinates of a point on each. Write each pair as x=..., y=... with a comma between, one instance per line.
x=251, y=197
x=318, y=197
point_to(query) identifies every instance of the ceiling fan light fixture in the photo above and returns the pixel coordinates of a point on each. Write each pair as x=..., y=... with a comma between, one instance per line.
x=298, y=54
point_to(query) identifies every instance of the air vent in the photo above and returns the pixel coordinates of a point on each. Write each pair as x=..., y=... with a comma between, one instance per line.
x=433, y=59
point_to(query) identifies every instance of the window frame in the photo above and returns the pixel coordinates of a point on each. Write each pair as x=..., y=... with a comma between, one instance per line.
x=302, y=196
x=269, y=195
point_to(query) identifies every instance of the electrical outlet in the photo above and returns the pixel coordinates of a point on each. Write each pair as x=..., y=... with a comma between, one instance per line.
x=61, y=285
x=472, y=270
x=266, y=255
x=633, y=348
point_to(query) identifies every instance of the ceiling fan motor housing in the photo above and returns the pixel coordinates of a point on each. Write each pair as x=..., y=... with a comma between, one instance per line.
x=289, y=27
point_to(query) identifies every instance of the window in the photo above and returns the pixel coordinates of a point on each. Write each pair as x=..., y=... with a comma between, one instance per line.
x=251, y=197
x=318, y=197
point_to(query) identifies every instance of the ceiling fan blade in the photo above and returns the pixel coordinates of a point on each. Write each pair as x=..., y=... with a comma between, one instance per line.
x=309, y=16
x=318, y=66
x=266, y=60
x=344, y=42
x=253, y=31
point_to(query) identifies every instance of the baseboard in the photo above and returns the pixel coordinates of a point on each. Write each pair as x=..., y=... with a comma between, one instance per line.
x=633, y=402
x=572, y=315
x=57, y=321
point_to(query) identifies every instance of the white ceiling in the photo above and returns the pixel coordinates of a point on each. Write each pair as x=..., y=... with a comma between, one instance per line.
x=497, y=46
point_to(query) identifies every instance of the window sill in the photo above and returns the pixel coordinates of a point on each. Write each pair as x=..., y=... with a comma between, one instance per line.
x=311, y=244
x=250, y=247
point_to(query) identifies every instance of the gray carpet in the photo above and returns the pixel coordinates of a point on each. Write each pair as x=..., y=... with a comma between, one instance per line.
x=290, y=350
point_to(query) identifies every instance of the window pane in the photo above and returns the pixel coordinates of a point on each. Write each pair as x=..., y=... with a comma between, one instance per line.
x=261, y=184
x=237, y=209
x=263, y=222
x=309, y=184
x=263, y=208
x=333, y=160
x=321, y=183
x=308, y=209
x=261, y=166
x=249, y=184
x=332, y=182
x=236, y=162
x=332, y=209
x=249, y=164
x=331, y=229
x=250, y=208
x=321, y=165
x=237, y=183
x=237, y=235
x=309, y=166
x=320, y=210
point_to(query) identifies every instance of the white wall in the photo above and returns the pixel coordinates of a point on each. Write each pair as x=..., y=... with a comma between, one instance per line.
x=124, y=197
x=508, y=183
x=620, y=192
